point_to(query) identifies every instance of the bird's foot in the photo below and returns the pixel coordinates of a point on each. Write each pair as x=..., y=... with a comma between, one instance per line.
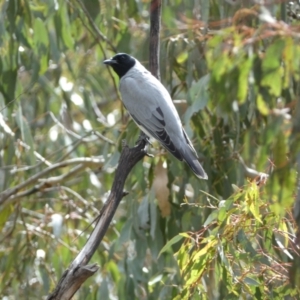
x=145, y=140
x=143, y=137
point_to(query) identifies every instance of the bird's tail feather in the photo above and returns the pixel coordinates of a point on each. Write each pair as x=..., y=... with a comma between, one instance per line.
x=191, y=159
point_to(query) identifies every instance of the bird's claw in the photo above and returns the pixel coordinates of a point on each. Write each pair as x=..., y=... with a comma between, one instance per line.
x=144, y=137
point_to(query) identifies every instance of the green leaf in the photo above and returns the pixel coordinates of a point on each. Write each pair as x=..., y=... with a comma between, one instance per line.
x=198, y=96
x=126, y=232
x=273, y=81
x=41, y=43
x=221, y=66
x=222, y=214
x=280, y=150
x=261, y=105
x=66, y=34
x=183, y=257
x=251, y=197
x=5, y=213
x=143, y=213
x=153, y=214
x=244, y=70
x=272, y=57
x=112, y=162
x=8, y=83
x=194, y=273
x=103, y=289
x=271, y=66
x=40, y=36
x=182, y=57
x=169, y=244
x=210, y=246
x=212, y=217
x=26, y=134
x=251, y=281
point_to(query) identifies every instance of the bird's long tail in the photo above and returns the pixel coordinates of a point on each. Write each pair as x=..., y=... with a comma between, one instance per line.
x=191, y=159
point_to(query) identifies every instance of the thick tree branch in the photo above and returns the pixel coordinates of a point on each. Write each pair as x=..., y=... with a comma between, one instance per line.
x=79, y=271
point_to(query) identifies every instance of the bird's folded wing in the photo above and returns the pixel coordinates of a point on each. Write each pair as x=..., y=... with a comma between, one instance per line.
x=151, y=107
x=156, y=129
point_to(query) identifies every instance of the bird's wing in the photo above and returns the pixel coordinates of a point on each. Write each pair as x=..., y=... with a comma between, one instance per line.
x=159, y=133
x=151, y=107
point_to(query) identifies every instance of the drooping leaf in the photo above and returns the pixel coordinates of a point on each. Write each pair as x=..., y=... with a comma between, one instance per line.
x=171, y=242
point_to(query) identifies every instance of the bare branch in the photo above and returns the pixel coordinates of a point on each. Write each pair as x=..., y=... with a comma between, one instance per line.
x=45, y=234
x=259, y=177
x=8, y=130
x=77, y=136
x=45, y=183
x=79, y=271
x=155, y=16
x=83, y=161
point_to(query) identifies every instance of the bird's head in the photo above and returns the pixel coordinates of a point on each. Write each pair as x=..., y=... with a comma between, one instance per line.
x=121, y=63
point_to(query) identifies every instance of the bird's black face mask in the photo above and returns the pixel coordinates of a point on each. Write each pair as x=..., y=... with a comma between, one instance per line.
x=121, y=63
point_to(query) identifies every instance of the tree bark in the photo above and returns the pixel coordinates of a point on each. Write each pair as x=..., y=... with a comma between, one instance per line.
x=79, y=270
x=155, y=22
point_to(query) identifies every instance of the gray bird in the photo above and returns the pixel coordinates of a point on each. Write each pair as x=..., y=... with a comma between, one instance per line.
x=151, y=107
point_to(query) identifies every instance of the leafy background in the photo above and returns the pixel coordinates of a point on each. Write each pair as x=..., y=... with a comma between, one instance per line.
x=233, y=71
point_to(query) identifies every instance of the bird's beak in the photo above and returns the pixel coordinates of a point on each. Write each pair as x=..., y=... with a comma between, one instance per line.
x=110, y=61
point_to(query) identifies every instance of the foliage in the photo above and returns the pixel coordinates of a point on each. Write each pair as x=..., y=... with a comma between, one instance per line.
x=232, y=237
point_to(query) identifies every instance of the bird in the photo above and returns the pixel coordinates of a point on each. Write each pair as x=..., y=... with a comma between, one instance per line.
x=150, y=105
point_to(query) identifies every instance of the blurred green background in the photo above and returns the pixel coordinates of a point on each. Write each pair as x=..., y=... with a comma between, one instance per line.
x=233, y=71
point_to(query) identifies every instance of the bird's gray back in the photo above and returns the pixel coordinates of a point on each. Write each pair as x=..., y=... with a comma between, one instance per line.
x=145, y=97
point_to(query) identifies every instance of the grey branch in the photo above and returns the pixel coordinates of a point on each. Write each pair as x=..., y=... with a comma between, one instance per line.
x=77, y=136
x=155, y=17
x=80, y=162
x=79, y=270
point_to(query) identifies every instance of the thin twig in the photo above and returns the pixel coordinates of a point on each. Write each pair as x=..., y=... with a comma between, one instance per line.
x=100, y=117
x=100, y=36
x=86, y=161
x=77, y=136
x=46, y=183
x=9, y=131
x=43, y=233
x=95, y=28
